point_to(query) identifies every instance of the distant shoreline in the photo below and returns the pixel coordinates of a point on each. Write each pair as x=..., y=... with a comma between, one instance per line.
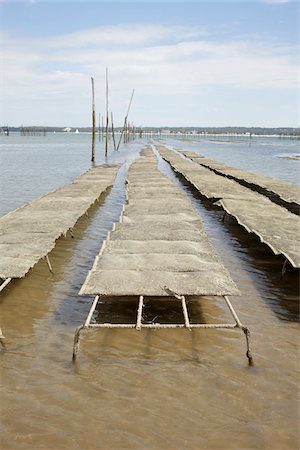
x=190, y=132
x=153, y=132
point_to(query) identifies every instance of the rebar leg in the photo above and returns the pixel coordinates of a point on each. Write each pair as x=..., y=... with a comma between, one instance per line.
x=283, y=270
x=5, y=283
x=76, y=341
x=2, y=342
x=248, y=353
x=48, y=262
x=185, y=313
x=139, y=313
x=239, y=325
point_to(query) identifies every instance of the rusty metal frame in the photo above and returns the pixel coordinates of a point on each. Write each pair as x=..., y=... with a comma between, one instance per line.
x=138, y=325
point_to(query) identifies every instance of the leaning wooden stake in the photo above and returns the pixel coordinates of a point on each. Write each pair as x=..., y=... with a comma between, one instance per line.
x=106, y=142
x=93, y=121
x=125, y=121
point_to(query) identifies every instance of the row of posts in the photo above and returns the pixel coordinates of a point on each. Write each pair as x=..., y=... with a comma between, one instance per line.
x=25, y=131
x=127, y=131
x=131, y=132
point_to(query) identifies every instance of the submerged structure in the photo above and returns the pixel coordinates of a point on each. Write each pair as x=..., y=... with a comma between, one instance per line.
x=158, y=249
x=274, y=225
x=29, y=233
x=285, y=193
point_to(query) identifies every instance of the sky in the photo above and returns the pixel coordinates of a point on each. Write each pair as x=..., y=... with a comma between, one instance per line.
x=190, y=63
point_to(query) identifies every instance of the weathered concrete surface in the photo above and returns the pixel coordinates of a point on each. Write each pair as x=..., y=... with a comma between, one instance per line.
x=159, y=244
x=273, y=224
x=286, y=191
x=29, y=233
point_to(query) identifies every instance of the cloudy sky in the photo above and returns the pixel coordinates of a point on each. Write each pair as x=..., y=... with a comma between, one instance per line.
x=191, y=64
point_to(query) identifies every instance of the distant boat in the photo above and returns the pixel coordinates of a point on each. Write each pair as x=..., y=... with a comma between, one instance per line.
x=76, y=131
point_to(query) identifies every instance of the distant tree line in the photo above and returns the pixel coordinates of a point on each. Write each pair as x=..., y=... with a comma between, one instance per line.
x=284, y=131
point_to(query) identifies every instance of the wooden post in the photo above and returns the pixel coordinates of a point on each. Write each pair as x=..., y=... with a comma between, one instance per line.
x=99, y=128
x=125, y=130
x=113, y=131
x=93, y=121
x=106, y=142
x=125, y=121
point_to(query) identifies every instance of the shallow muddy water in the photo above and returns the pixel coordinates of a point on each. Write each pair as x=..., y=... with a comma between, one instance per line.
x=166, y=389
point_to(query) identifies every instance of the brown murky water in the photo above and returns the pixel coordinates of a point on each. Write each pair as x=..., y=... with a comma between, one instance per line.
x=167, y=389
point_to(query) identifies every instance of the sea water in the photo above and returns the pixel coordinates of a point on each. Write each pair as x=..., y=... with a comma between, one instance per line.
x=163, y=390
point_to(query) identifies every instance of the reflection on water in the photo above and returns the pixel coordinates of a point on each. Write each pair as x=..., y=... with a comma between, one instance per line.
x=167, y=389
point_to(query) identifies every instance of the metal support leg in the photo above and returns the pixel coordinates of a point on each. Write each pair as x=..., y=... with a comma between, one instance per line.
x=48, y=262
x=82, y=327
x=91, y=312
x=234, y=314
x=2, y=341
x=184, y=307
x=240, y=325
x=185, y=313
x=5, y=283
x=283, y=270
x=248, y=353
x=139, y=313
x=76, y=341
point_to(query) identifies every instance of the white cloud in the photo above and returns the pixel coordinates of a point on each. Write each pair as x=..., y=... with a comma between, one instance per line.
x=125, y=35
x=277, y=2
x=156, y=60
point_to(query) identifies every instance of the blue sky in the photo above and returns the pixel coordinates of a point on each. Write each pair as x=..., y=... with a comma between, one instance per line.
x=191, y=64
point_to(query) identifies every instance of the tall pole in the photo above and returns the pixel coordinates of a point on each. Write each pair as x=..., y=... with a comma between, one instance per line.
x=99, y=128
x=113, y=131
x=93, y=121
x=125, y=121
x=106, y=142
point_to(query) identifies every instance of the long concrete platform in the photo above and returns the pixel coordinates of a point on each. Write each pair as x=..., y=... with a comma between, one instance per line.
x=29, y=233
x=274, y=225
x=158, y=249
x=287, y=194
x=165, y=227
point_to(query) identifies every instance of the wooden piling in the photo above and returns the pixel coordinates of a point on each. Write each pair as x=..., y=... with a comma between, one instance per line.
x=99, y=128
x=106, y=141
x=125, y=121
x=93, y=121
x=113, y=131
